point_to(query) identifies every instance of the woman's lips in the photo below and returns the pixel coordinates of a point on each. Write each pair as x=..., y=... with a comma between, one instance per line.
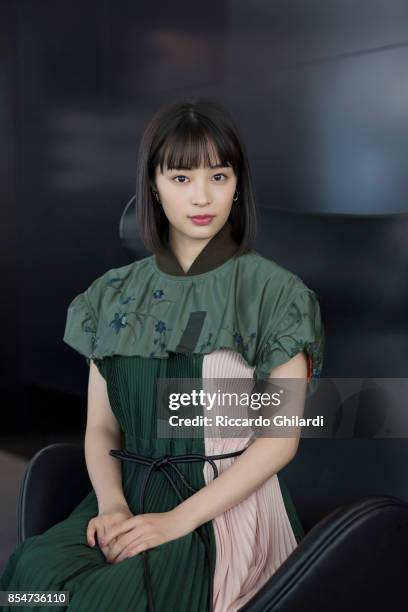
x=202, y=219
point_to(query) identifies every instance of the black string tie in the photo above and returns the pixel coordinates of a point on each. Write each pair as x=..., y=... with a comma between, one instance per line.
x=163, y=464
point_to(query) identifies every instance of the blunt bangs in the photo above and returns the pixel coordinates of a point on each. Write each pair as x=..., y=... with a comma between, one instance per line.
x=193, y=144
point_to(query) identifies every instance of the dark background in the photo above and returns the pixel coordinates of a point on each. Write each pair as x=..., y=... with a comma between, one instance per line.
x=318, y=88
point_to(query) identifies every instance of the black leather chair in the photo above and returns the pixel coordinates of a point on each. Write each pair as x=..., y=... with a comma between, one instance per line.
x=351, y=494
x=355, y=551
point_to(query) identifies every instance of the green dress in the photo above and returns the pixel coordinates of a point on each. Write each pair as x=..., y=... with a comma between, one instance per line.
x=150, y=320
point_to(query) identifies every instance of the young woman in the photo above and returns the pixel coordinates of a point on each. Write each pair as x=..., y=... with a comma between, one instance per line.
x=166, y=526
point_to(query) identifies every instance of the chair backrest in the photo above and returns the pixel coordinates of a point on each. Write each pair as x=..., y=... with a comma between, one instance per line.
x=327, y=473
x=358, y=267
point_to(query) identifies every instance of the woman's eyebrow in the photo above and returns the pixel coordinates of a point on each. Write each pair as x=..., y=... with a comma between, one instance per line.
x=176, y=169
x=190, y=169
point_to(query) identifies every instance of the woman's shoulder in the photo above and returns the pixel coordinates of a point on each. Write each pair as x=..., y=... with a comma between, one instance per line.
x=288, y=316
x=103, y=303
x=116, y=286
x=123, y=273
x=115, y=282
x=267, y=275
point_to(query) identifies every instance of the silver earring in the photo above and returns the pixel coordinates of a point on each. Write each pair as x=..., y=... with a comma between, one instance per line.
x=156, y=195
x=235, y=198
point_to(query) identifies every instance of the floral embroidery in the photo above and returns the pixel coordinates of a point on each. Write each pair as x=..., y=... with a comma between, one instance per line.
x=314, y=351
x=314, y=354
x=90, y=329
x=160, y=326
x=158, y=295
x=242, y=343
x=122, y=300
x=141, y=310
x=207, y=343
x=121, y=318
x=118, y=322
x=85, y=327
x=237, y=337
x=129, y=319
x=297, y=347
x=113, y=280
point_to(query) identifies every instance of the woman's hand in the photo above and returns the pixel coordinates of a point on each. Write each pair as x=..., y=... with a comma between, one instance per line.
x=109, y=518
x=141, y=532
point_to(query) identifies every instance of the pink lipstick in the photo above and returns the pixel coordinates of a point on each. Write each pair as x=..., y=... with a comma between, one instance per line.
x=202, y=219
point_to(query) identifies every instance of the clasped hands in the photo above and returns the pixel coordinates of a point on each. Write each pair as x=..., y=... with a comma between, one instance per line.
x=121, y=534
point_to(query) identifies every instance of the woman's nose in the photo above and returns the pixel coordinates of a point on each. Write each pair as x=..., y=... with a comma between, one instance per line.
x=201, y=195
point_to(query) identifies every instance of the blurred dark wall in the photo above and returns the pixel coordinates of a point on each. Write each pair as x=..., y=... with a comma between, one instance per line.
x=318, y=88
x=9, y=271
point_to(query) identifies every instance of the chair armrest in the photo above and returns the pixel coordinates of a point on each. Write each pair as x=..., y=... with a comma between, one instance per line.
x=355, y=558
x=55, y=481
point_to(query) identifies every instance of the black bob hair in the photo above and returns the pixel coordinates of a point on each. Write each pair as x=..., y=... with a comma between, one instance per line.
x=186, y=134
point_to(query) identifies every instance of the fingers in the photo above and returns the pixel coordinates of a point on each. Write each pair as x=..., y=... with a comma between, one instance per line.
x=119, y=548
x=101, y=529
x=130, y=550
x=116, y=530
x=95, y=529
x=105, y=530
x=90, y=533
x=118, y=545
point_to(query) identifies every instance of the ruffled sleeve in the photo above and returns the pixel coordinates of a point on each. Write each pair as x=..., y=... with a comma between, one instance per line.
x=81, y=330
x=300, y=328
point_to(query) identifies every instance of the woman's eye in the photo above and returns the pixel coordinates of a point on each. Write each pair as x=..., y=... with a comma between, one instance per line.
x=182, y=176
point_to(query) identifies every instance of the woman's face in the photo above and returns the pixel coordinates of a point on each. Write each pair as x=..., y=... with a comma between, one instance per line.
x=202, y=191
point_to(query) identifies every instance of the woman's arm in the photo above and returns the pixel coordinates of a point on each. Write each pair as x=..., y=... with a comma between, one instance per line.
x=102, y=434
x=263, y=458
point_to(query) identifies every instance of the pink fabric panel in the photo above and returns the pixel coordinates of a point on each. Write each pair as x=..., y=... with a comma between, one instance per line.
x=254, y=537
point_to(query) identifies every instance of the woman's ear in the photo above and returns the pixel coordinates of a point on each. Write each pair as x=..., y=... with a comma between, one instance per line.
x=155, y=193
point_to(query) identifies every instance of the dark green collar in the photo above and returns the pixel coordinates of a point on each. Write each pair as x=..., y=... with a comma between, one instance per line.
x=217, y=251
